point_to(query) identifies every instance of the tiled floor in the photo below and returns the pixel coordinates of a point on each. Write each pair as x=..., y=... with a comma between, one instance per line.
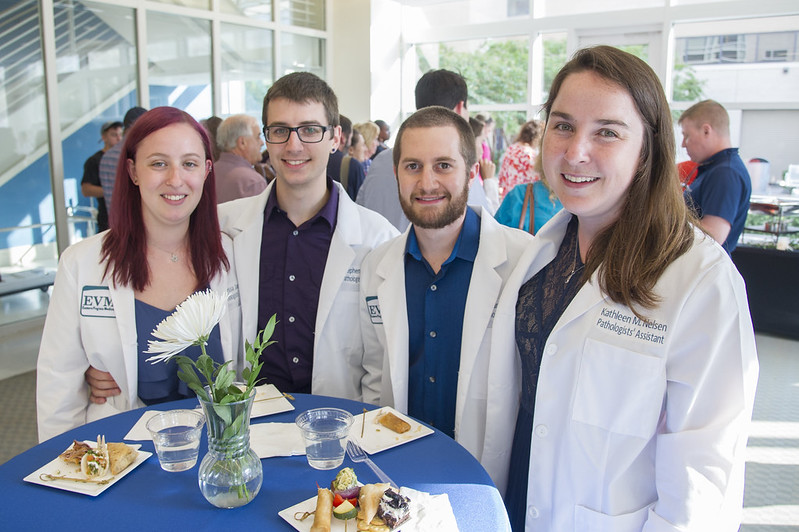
x=772, y=471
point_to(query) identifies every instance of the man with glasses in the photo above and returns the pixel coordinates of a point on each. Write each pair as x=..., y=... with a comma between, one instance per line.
x=298, y=247
x=239, y=139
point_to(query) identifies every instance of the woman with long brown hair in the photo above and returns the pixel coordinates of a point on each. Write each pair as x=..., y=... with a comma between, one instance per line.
x=629, y=362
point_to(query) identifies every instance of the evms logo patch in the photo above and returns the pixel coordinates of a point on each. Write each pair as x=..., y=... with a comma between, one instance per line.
x=95, y=301
x=374, y=310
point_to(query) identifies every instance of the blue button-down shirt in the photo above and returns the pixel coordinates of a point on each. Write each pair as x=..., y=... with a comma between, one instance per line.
x=436, y=305
x=292, y=266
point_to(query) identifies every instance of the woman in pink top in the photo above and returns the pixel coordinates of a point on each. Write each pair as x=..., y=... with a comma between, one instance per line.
x=518, y=163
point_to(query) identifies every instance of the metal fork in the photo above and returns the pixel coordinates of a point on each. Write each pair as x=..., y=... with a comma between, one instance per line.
x=357, y=455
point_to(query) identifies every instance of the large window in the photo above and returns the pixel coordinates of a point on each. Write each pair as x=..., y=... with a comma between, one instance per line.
x=179, y=52
x=302, y=52
x=102, y=57
x=27, y=232
x=247, y=69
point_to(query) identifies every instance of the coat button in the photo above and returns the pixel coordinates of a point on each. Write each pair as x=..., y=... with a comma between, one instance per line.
x=291, y=277
x=433, y=334
x=541, y=431
x=433, y=287
x=296, y=360
x=291, y=319
x=432, y=379
x=551, y=349
x=532, y=512
x=295, y=232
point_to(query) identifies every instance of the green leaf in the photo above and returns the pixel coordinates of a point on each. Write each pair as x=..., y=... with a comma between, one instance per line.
x=234, y=427
x=223, y=412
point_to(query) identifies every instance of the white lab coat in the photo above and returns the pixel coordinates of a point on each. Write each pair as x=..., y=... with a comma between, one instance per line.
x=338, y=348
x=384, y=323
x=91, y=322
x=635, y=427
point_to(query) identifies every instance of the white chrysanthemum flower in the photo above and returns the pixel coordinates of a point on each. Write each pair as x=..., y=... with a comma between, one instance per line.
x=190, y=324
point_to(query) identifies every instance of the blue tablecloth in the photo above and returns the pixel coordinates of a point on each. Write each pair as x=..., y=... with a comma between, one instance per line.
x=150, y=498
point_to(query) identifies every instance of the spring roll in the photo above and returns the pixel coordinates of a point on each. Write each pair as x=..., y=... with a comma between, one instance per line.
x=324, y=511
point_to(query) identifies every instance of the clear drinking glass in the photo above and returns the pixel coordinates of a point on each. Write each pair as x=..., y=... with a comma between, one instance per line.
x=325, y=431
x=176, y=435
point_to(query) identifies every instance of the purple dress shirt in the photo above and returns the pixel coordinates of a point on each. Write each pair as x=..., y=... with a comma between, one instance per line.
x=292, y=264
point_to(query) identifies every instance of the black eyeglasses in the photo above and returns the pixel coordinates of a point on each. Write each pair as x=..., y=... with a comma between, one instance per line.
x=308, y=134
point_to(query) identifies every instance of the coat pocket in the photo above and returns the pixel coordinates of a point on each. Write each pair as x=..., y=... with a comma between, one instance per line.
x=586, y=520
x=619, y=390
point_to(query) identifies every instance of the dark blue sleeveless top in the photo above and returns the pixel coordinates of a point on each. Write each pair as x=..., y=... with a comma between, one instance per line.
x=159, y=382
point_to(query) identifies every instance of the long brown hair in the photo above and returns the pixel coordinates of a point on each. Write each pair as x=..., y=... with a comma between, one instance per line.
x=654, y=227
x=125, y=246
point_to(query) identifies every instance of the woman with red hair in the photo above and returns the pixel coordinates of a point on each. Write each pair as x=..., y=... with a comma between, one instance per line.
x=114, y=288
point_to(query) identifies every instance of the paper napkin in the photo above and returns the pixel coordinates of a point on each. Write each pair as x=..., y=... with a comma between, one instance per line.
x=429, y=512
x=139, y=431
x=276, y=439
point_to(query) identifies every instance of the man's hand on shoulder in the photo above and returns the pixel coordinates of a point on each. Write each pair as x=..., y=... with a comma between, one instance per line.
x=101, y=385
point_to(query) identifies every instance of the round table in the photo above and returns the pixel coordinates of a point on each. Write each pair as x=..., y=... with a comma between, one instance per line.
x=149, y=497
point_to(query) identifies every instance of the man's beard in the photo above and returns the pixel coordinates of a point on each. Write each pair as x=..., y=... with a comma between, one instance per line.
x=437, y=219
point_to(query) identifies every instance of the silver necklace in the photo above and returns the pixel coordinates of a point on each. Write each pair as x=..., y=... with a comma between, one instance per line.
x=173, y=256
x=575, y=269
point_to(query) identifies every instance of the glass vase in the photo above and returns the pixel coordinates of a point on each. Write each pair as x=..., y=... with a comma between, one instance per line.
x=231, y=473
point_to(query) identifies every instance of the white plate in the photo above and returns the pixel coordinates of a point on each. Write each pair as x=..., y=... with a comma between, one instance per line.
x=59, y=467
x=378, y=438
x=428, y=512
x=336, y=525
x=269, y=400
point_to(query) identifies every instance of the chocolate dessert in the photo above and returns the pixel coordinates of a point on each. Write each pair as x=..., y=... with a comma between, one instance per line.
x=394, y=509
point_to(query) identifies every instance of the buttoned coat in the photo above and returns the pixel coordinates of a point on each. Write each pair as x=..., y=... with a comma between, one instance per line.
x=637, y=426
x=90, y=321
x=384, y=321
x=338, y=347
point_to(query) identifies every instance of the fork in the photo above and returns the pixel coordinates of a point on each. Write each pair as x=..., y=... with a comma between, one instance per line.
x=358, y=455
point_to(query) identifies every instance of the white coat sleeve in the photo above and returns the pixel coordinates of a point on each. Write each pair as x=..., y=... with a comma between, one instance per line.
x=62, y=396
x=491, y=189
x=711, y=373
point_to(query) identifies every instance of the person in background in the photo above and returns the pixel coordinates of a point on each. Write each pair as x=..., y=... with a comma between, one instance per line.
x=114, y=288
x=340, y=161
x=211, y=125
x=529, y=201
x=488, y=136
x=382, y=138
x=719, y=194
x=110, y=159
x=428, y=296
x=110, y=134
x=518, y=162
x=483, y=186
x=379, y=190
x=239, y=139
x=636, y=390
x=358, y=149
x=370, y=133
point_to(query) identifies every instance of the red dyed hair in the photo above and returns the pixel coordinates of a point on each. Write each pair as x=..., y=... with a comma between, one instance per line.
x=125, y=246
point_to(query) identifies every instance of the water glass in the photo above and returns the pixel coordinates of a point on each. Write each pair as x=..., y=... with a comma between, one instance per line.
x=176, y=435
x=325, y=431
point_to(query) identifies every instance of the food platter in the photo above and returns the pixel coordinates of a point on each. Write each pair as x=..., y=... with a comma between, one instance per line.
x=59, y=468
x=378, y=438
